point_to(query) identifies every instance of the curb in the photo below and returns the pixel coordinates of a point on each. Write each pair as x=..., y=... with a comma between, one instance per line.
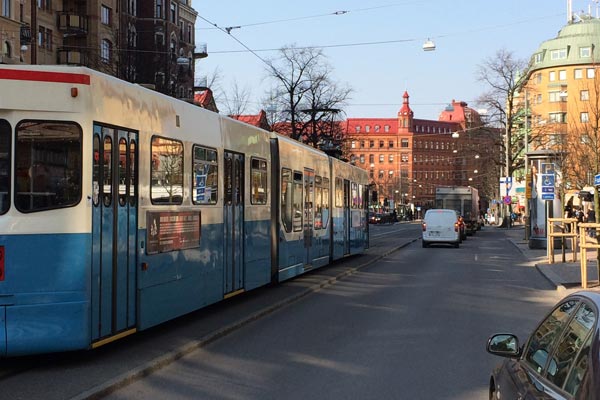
x=123, y=380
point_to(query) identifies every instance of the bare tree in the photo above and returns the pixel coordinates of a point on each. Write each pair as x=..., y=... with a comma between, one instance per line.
x=502, y=73
x=237, y=99
x=306, y=97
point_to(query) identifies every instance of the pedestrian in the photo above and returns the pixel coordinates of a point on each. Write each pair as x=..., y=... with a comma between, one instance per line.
x=591, y=217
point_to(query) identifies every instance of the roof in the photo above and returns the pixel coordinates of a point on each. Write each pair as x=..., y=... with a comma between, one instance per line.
x=205, y=99
x=571, y=38
x=259, y=120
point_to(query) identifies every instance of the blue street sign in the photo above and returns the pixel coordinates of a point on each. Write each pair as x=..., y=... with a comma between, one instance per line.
x=597, y=180
x=547, y=189
x=548, y=180
x=547, y=196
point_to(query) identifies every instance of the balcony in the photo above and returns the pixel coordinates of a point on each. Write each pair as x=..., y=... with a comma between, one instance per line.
x=71, y=24
x=200, y=52
x=71, y=57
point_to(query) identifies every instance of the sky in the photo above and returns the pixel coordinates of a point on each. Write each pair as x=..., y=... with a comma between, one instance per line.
x=375, y=47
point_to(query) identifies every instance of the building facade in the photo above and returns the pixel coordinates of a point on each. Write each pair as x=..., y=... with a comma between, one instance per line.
x=149, y=42
x=407, y=157
x=562, y=97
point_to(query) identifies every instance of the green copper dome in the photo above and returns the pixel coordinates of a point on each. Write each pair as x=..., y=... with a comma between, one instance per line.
x=576, y=44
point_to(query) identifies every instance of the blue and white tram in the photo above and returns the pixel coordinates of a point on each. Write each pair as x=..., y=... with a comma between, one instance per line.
x=121, y=208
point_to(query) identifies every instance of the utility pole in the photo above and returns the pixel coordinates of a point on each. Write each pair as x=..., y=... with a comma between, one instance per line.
x=34, y=32
x=528, y=180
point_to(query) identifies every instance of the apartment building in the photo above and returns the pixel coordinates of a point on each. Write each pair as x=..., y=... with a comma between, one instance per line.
x=408, y=157
x=149, y=42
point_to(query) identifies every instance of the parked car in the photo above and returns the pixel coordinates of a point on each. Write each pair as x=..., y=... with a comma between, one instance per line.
x=440, y=226
x=560, y=360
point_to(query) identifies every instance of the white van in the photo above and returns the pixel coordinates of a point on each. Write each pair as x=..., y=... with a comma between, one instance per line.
x=441, y=226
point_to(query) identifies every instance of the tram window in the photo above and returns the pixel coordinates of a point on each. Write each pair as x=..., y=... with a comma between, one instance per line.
x=339, y=192
x=361, y=196
x=354, y=195
x=5, y=135
x=297, y=200
x=107, y=171
x=132, y=173
x=325, y=216
x=258, y=186
x=318, y=224
x=123, y=167
x=47, y=165
x=96, y=172
x=286, y=199
x=205, y=182
x=166, y=186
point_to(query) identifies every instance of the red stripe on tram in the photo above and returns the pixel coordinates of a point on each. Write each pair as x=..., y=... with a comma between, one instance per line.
x=44, y=76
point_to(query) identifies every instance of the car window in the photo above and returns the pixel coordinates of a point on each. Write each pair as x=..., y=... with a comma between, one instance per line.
x=569, y=349
x=541, y=341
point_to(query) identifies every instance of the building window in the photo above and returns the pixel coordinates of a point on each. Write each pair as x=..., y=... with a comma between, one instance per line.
x=391, y=144
x=391, y=158
x=381, y=158
x=6, y=49
x=381, y=144
x=404, y=143
x=590, y=73
x=585, y=52
x=105, y=51
x=386, y=128
x=562, y=75
x=538, y=58
x=578, y=73
x=173, y=16
x=6, y=8
x=381, y=172
x=559, y=54
x=557, y=96
x=538, y=78
x=367, y=128
x=353, y=144
x=371, y=158
x=584, y=117
x=552, y=76
x=105, y=16
x=357, y=129
x=362, y=144
x=159, y=9
x=362, y=158
x=404, y=157
x=558, y=117
x=584, y=95
x=371, y=143
x=44, y=4
x=376, y=128
x=538, y=98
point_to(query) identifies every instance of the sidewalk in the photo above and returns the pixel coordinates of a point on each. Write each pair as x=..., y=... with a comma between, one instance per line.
x=566, y=277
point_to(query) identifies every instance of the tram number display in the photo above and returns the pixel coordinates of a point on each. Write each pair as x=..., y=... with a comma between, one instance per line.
x=172, y=230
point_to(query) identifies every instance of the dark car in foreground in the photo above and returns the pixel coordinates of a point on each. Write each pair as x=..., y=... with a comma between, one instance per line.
x=560, y=360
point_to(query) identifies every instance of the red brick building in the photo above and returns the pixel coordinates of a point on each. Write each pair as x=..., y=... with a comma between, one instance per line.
x=407, y=157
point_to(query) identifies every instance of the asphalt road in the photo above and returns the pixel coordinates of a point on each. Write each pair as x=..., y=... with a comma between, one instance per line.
x=413, y=325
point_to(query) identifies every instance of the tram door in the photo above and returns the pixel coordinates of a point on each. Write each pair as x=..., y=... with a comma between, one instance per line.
x=309, y=200
x=114, y=225
x=347, y=220
x=233, y=222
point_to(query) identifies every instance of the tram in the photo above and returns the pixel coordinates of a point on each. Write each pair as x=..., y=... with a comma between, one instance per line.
x=122, y=208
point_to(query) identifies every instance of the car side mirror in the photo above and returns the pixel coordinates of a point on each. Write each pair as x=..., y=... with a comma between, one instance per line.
x=504, y=345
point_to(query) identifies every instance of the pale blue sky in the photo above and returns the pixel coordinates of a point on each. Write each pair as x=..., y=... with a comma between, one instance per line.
x=464, y=31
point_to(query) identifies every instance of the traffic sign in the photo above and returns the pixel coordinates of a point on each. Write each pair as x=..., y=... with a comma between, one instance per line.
x=548, y=180
x=547, y=189
x=547, y=196
x=507, y=200
x=597, y=180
